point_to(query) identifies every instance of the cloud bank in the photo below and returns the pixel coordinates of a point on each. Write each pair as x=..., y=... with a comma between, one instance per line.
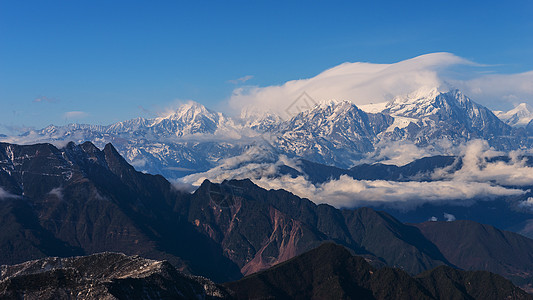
x=7, y=195
x=477, y=166
x=366, y=83
x=348, y=192
x=493, y=90
x=478, y=179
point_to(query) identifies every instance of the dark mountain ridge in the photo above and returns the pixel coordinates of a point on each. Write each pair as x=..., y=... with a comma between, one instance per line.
x=102, y=276
x=331, y=272
x=79, y=200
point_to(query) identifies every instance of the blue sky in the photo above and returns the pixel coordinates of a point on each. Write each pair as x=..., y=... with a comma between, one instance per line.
x=106, y=61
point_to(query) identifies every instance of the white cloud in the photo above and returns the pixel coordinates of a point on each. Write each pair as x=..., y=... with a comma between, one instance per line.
x=76, y=114
x=403, y=152
x=241, y=80
x=57, y=192
x=348, y=192
x=255, y=162
x=139, y=162
x=499, y=91
x=449, y=217
x=433, y=219
x=360, y=83
x=366, y=83
x=527, y=203
x=184, y=187
x=44, y=99
x=477, y=167
x=479, y=179
x=7, y=195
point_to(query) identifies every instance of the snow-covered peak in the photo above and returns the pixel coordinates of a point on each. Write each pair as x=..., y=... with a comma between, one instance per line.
x=374, y=108
x=425, y=102
x=259, y=119
x=189, y=111
x=519, y=116
x=331, y=102
x=326, y=114
x=422, y=94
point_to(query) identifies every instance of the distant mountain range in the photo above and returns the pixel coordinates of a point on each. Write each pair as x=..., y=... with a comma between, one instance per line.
x=194, y=139
x=520, y=116
x=80, y=200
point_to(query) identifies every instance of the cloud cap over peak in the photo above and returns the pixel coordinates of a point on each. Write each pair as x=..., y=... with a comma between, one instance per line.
x=365, y=83
x=358, y=82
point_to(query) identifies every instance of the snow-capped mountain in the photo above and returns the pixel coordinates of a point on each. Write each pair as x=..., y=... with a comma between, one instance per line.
x=195, y=139
x=424, y=117
x=519, y=116
x=333, y=131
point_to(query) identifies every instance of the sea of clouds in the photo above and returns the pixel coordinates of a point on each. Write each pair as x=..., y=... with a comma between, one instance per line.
x=479, y=178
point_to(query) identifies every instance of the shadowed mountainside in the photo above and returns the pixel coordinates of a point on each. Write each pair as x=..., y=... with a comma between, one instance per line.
x=102, y=276
x=80, y=200
x=331, y=272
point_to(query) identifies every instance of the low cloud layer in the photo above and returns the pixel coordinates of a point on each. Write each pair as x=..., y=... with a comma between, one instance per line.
x=403, y=152
x=348, y=192
x=366, y=83
x=57, y=192
x=479, y=179
x=477, y=166
x=7, y=195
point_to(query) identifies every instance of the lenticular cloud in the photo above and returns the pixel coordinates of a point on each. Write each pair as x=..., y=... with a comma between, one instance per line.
x=366, y=83
x=360, y=83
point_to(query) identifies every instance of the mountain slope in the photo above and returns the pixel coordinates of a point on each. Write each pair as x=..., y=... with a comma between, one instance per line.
x=102, y=276
x=482, y=247
x=331, y=272
x=450, y=115
x=330, y=132
x=519, y=116
x=81, y=200
x=259, y=228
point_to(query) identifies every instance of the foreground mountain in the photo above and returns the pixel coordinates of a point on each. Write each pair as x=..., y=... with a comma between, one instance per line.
x=331, y=272
x=195, y=139
x=80, y=200
x=326, y=272
x=483, y=247
x=102, y=276
x=260, y=228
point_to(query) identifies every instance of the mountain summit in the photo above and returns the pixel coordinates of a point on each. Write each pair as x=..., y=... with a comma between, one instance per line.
x=519, y=116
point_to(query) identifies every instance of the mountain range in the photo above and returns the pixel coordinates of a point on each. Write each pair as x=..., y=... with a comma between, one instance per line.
x=195, y=139
x=103, y=276
x=79, y=200
x=329, y=271
x=521, y=115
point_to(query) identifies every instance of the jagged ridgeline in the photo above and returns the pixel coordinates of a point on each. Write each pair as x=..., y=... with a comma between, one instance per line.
x=194, y=138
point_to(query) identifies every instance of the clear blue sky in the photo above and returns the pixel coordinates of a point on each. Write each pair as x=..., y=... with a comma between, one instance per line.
x=115, y=60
